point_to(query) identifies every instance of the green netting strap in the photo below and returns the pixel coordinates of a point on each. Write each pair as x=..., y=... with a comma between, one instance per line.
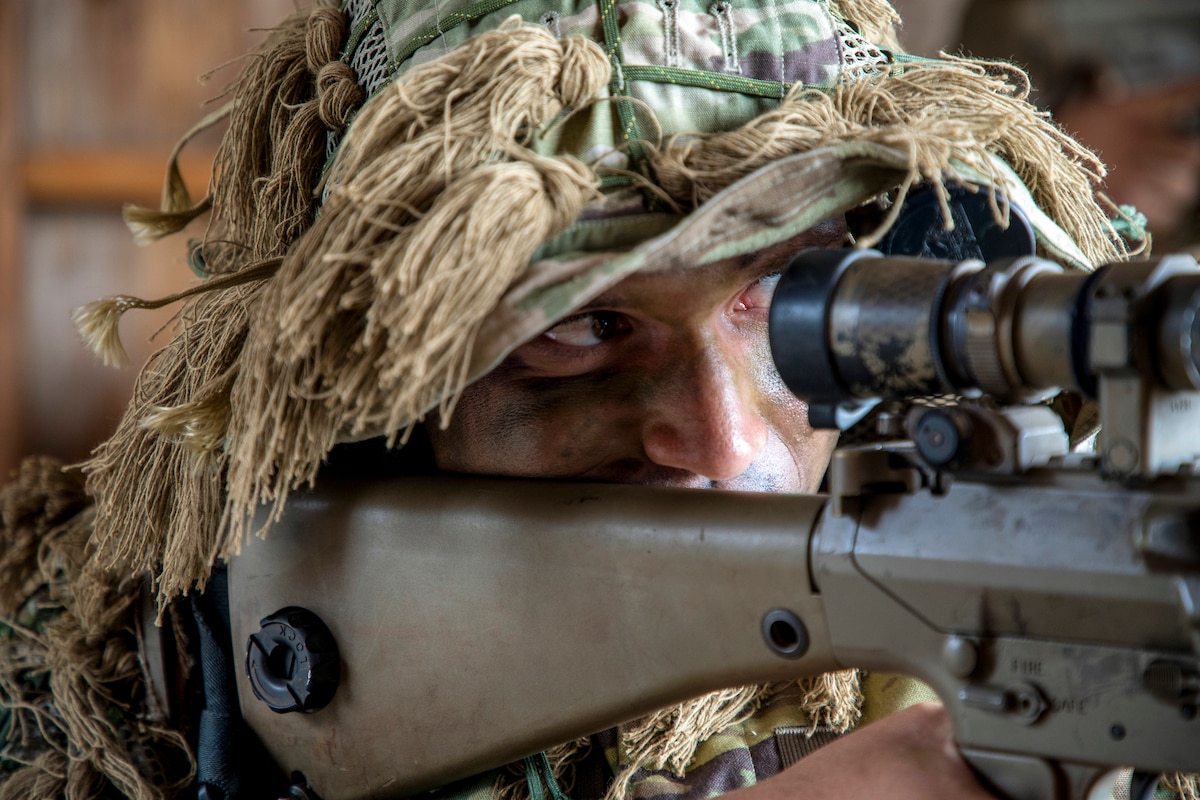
x=449, y=22
x=358, y=32
x=539, y=772
x=716, y=81
x=618, y=86
x=615, y=181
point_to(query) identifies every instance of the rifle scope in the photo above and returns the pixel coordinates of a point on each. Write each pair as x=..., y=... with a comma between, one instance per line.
x=849, y=325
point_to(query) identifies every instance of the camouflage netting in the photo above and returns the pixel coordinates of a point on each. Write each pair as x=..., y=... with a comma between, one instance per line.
x=74, y=721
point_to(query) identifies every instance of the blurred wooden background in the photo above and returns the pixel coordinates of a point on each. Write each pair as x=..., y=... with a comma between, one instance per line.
x=93, y=95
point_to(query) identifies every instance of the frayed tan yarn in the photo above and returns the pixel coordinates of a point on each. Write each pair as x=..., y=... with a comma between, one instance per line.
x=158, y=497
x=291, y=92
x=668, y=739
x=176, y=209
x=289, y=95
x=199, y=425
x=40, y=498
x=876, y=20
x=98, y=322
x=1182, y=785
x=148, y=225
x=159, y=480
x=945, y=115
x=161, y=473
x=84, y=735
x=371, y=318
x=435, y=209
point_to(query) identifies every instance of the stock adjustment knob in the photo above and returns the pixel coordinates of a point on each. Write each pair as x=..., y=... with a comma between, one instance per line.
x=293, y=662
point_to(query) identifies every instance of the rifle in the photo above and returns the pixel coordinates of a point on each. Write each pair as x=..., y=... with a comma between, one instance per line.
x=434, y=628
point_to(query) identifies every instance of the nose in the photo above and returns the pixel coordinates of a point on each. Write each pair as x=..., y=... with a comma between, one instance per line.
x=704, y=418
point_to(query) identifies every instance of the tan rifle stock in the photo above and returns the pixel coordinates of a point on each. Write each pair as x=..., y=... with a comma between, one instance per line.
x=481, y=620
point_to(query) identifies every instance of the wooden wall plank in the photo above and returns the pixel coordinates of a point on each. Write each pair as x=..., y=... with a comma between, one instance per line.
x=106, y=178
x=12, y=442
x=109, y=86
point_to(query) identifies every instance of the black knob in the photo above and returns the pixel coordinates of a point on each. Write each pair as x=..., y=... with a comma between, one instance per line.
x=293, y=661
x=939, y=437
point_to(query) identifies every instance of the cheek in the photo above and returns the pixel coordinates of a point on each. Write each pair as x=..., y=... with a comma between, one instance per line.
x=796, y=448
x=501, y=428
x=796, y=454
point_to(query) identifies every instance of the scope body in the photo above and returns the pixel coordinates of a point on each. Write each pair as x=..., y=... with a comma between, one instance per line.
x=895, y=326
x=852, y=325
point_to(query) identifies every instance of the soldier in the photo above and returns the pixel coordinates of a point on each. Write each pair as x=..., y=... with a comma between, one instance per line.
x=515, y=239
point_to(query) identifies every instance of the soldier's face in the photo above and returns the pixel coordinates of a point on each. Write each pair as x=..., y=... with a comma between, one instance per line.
x=666, y=379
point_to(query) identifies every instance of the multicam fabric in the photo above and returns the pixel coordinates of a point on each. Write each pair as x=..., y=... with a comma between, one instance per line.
x=664, y=53
x=699, y=66
x=775, y=736
x=739, y=756
x=764, y=209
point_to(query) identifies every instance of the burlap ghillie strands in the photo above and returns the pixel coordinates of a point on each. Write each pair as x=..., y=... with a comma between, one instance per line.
x=438, y=141
x=170, y=481
x=289, y=94
x=944, y=114
x=72, y=707
x=1182, y=785
x=163, y=469
x=669, y=738
x=435, y=209
x=176, y=210
x=98, y=321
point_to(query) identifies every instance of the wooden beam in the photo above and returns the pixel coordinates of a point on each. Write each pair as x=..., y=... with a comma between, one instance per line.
x=12, y=213
x=106, y=178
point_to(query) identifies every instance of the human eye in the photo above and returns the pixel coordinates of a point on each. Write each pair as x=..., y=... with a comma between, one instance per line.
x=758, y=294
x=588, y=329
